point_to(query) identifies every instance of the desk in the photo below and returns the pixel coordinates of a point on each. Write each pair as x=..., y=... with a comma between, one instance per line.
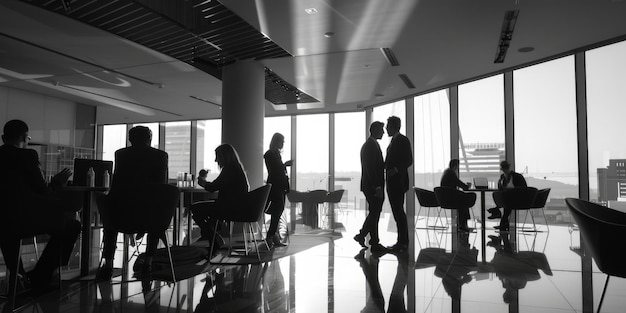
x=482, y=216
x=207, y=195
x=85, y=242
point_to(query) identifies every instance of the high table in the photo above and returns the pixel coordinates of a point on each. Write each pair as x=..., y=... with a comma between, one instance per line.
x=85, y=243
x=191, y=191
x=482, y=192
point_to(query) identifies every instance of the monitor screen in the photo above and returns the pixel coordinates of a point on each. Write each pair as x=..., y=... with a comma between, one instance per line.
x=81, y=166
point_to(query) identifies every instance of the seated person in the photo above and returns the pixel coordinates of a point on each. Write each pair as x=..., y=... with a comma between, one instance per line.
x=135, y=165
x=31, y=207
x=232, y=185
x=508, y=179
x=450, y=179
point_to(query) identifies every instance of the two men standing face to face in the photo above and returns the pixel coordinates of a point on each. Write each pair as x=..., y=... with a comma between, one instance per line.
x=394, y=170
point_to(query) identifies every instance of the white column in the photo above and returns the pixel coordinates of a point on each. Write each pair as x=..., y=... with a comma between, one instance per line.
x=243, y=111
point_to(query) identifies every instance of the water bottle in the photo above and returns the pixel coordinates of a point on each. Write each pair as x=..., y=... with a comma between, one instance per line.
x=91, y=177
x=106, y=179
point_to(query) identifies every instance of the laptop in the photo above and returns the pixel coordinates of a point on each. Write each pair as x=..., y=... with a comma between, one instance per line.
x=481, y=182
x=81, y=166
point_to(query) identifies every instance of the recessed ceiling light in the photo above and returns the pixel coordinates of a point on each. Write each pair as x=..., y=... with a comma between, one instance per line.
x=526, y=49
x=329, y=34
x=310, y=10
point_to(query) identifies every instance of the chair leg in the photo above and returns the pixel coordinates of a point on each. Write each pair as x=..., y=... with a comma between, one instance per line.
x=256, y=245
x=169, y=254
x=543, y=211
x=261, y=233
x=213, y=241
x=13, y=274
x=606, y=283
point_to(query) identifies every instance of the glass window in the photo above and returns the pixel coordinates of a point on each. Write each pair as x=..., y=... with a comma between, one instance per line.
x=606, y=91
x=113, y=138
x=432, y=132
x=311, y=159
x=350, y=134
x=481, y=128
x=208, y=138
x=178, y=146
x=154, y=127
x=545, y=130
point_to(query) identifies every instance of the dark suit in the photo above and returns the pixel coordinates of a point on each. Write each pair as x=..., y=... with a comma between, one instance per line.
x=400, y=157
x=277, y=176
x=134, y=165
x=30, y=208
x=372, y=177
x=450, y=179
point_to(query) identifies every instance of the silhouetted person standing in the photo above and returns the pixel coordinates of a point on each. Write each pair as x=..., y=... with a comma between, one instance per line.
x=372, y=186
x=31, y=207
x=399, y=158
x=134, y=166
x=277, y=176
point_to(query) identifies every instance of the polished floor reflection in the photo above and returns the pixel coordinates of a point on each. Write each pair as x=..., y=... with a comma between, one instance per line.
x=445, y=272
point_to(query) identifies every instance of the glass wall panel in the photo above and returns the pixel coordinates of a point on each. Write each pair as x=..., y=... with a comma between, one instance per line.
x=154, y=127
x=431, y=150
x=606, y=91
x=113, y=138
x=545, y=132
x=178, y=146
x=311, y=158
x=208, y=138
x=481, y=128
x=350, y=134
x=271, y=125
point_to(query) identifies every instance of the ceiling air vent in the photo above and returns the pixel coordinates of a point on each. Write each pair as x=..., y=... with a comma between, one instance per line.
x=390, y=56
x=407, y=81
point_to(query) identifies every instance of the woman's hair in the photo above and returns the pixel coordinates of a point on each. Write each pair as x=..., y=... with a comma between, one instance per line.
x=276, y=140
x=226, y=155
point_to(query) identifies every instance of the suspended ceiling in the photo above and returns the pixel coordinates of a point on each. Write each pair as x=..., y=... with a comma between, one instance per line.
x=142, y=61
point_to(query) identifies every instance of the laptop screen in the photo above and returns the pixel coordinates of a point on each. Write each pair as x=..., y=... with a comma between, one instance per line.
x=481, y=182
x=81, y=166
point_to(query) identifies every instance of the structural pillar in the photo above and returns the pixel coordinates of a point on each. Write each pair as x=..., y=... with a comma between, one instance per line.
x=243, y=112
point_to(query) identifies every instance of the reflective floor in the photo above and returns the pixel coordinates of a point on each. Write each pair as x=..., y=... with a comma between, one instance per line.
x=445, y=272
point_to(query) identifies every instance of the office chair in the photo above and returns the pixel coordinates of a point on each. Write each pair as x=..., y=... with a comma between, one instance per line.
x=602, y=230
x=454, y=199
x=539, y=203
x=428, y=199
x=147, y=209
x=248, y=212
x=515, y=199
